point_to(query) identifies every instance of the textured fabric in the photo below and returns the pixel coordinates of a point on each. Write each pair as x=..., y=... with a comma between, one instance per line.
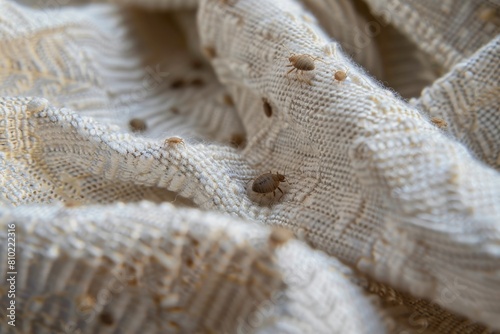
x=394, y=203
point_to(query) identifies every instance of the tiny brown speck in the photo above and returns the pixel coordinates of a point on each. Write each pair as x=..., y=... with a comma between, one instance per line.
x=174, y=110
x=174, y=309
x=210, y=52
x=176, y=84
x=174, y=324
x=197, y=82
x=106, y=318
x=340, y=75
x=268, y=110
x=137, y=125
x=439, y=122
x=228, y=100
x=237, y=140
x=71, y=203
x=488, y=15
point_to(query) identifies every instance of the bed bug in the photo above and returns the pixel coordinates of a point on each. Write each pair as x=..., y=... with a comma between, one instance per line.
x=174, y=141
x=301, y=63
x=196, y=64
x=340, y=75
x=268, y=110
x=439, y=122
x=267, y=183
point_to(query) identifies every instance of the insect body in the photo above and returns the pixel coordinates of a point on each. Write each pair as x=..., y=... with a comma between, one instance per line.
x=340, y=75
x=267, y=183
x=174, y=141
x=301, y=63
x=439, y=122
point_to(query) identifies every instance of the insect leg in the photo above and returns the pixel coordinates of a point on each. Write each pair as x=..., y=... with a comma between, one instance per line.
x=307, y=81
x=286, y=75
x=319, y=59
x=297, y=76
x=282, y=193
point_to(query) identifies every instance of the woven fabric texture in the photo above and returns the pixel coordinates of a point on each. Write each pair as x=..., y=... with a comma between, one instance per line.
x=131, y=132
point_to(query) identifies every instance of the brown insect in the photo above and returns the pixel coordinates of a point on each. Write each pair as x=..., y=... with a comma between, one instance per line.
x=340, y=75
x=137, y=125
x=268, y=182
x=439, y=122
x=172, y=141
x=268, y=110
x=301, y=63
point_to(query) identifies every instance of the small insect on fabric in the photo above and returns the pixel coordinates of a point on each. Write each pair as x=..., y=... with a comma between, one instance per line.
x=301, y=63
x=340, y=75
x=268, y=183
x=173, y=141
x=439, y=122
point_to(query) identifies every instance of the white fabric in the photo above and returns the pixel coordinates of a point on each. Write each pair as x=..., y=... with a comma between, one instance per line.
x=398, y=220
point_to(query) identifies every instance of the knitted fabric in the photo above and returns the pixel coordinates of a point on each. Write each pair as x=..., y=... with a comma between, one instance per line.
x=392, y=188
